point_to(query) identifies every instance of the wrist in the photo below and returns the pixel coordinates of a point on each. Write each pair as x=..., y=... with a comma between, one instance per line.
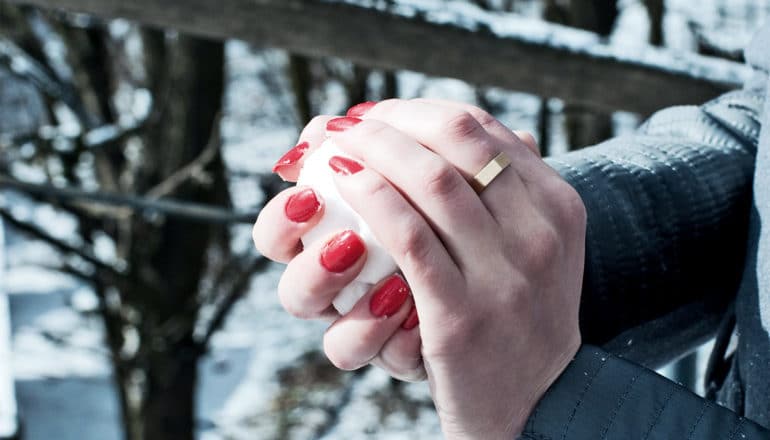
x=511, y=418
x=557, y=367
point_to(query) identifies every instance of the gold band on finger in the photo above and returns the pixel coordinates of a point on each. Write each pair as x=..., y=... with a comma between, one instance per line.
x=490, y=171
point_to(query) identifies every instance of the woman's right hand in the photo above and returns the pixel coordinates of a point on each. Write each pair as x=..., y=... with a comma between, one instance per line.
x=496, y=275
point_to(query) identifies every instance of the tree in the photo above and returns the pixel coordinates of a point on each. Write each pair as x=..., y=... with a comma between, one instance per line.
x=155, y=186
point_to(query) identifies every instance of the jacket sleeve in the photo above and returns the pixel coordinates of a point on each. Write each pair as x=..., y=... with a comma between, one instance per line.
x=600, y=396
x=668, y=212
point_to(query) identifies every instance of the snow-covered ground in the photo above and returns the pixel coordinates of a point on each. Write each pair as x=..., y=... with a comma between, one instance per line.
x=264, y=377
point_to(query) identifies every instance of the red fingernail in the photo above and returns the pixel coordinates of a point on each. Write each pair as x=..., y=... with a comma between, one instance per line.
x=342, y=251
x=341, y=124
x=292, y=156
x=389, y=297
x=302, y=206
x=361, y=109
x=411, y=320
x=344, y=166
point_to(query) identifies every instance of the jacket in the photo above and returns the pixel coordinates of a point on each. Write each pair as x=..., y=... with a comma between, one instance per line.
x=677, y=251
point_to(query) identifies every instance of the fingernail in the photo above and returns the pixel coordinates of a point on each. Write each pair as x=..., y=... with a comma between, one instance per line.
x=389, y=297
x=302, y=206
x=342, y=251
x=411, y=320
x=361, y=109
x=344, y=166
x=341, y=124
x=292, y=156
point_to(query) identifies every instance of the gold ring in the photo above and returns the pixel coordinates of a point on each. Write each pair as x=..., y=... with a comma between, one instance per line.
x=491, y=170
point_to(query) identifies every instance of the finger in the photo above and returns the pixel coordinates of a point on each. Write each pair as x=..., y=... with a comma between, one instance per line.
x=405, y=235
x=401, y=356
x=465, y=135
x=356, y=338
x=452, y=133
x=529, y=141
x=284, y=220
x=313, y=278
x=480, y=143
x=430, y=183
x=493, y=126
x=312, y=136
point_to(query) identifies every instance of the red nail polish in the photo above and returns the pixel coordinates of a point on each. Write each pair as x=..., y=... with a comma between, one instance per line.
x=389, y=297
x=361, y=109
x=411, y=320
x=302, y=206
x=344, y=166
x=292, y=156
x=341, y=124
x=342, y=251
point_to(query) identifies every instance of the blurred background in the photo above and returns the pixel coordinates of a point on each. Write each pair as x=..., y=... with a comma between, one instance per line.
x=136, y=140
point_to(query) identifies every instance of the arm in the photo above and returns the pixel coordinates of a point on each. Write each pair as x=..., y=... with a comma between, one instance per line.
x=667, y=222
x=600, y=396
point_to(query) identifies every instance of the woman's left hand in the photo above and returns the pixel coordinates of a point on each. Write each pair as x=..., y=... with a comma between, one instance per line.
x=495, y=276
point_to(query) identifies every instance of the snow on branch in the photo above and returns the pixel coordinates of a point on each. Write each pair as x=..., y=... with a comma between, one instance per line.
x=195, y=212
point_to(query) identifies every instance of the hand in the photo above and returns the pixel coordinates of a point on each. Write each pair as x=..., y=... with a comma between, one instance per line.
x=307, y=288
x=496, y=278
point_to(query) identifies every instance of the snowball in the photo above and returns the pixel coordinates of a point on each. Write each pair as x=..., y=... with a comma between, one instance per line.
x=338, y=216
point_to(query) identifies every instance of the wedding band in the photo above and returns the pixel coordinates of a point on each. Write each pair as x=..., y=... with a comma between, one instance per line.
x=490, y=171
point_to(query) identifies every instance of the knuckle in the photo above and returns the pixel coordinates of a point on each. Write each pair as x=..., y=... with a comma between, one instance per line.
x=442, y=181
x=414, y=244
x=409, y=374
x=342, y=362
x=316, y=125
x=417, y=375
x=376, y=188
x=481, y=116
x=346, y=356
x=462, y=125
x=371, y=129
x=544, y=247
x=266, y=245
x=292, y=307
x=529, y=141
x=569, y=210
x=293, y=303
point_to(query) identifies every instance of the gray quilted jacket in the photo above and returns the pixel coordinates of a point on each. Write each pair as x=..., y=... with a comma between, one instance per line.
x=678, y=250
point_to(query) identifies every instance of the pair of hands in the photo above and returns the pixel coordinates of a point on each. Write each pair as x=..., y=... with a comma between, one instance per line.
x=494, y=277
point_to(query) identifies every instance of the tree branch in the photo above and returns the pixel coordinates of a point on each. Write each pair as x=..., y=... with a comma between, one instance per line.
x=185, y=210
x=193, y=169
x=236, y=291
x=62, y=246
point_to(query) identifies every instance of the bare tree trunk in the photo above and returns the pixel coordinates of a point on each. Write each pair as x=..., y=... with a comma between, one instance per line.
x=175, y=253
x=169, y=407
x=301, y=82
x=390, y=89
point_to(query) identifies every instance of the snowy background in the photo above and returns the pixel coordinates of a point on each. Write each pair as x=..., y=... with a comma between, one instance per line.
x=264, y=377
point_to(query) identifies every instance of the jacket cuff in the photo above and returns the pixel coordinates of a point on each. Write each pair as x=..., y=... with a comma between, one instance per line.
x=600, y=396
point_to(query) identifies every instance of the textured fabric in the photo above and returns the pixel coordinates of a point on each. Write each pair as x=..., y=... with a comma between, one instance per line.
x=678, y=230
x=667, y=226
x=602, y=397
x=753, y=302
